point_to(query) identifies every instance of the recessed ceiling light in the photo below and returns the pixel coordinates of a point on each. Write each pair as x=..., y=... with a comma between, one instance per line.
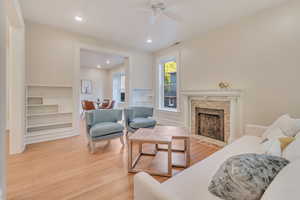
x=149, y=41
x=98, y=66
x=78, y=18
x=108, y=62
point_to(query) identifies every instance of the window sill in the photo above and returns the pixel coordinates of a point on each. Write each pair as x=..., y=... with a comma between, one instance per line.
x=168, y=110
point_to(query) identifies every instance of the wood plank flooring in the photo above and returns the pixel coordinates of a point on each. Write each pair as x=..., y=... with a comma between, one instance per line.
x=64, y=169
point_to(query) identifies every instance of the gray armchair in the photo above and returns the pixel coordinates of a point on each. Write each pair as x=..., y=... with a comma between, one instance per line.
x=103, y=125
x=138, y=117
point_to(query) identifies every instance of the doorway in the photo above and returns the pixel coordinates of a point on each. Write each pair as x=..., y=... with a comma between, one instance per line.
x=103, y=79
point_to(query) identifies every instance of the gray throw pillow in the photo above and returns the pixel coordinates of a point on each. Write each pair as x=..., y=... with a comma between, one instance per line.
x=246, y=176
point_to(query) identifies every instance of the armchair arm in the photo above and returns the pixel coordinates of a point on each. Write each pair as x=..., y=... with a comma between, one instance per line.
x=128, y=115
x=147, y=188
x=255, y=130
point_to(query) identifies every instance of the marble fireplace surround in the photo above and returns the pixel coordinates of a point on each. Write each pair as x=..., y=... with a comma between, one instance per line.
x=229, y=100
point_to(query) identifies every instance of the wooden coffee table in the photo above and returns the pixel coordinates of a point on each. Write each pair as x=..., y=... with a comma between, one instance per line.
x=160, y=136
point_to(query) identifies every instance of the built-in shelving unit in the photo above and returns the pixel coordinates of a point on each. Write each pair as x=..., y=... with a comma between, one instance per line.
x=143, y=97
x=49, y=113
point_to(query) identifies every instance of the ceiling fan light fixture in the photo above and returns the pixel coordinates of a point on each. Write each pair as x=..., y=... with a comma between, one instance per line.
x=149, y=40
x=78, y=18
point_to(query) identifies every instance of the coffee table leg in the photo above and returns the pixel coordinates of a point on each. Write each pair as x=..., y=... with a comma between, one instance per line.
x=129, y=156
x=170, y=159
x=140, y=147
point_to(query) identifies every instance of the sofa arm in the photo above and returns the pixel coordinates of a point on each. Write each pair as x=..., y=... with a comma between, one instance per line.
x=255, y=130
x=147, y=188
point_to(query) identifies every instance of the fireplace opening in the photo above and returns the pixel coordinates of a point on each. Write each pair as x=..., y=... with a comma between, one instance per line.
x=210, y=123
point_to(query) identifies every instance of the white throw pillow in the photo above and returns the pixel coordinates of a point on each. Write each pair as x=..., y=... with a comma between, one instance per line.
x=292, y=151
x=273, y=133
x=288, y=126
x=285, y=186
x=272, y=147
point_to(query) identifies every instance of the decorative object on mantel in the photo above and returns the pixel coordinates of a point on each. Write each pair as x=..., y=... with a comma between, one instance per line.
x=224, y=85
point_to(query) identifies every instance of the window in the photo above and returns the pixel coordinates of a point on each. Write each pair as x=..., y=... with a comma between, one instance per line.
x=168, y=84
x=122, y=92
x=119, y=87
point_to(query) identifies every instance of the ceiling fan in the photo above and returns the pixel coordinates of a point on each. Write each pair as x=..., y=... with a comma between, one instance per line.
x=158, y=9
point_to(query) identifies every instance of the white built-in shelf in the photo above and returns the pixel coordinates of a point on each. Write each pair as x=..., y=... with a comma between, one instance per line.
x=49, y=86
x=47, y=114
x=35, y=97
x=48, y=124
x=47, y=132
x=39, y=105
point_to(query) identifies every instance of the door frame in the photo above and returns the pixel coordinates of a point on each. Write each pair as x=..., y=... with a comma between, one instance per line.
x=76, y=76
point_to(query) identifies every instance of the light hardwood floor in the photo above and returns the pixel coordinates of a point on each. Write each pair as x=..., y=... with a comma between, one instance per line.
x=64, y=169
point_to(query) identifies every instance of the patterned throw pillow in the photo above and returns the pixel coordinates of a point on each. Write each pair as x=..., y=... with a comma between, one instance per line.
x=246, y=176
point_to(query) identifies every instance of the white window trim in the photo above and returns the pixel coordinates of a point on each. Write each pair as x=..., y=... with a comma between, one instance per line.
x=159, y=90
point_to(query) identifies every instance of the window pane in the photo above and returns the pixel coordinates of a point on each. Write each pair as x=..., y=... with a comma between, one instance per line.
x=170, y=84
x=122, y=88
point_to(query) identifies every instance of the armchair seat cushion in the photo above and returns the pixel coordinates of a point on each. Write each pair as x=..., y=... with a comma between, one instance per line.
x=142, y=123
x=105, y=128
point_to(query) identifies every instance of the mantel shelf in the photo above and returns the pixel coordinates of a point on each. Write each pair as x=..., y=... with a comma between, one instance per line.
x=213, y=93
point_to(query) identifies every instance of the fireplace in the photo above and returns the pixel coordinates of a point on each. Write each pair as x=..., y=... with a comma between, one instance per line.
x=210, y=123
x=210, y=120
x=229, y=102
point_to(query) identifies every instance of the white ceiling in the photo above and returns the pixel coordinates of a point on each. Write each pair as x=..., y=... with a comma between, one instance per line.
x=91, y=59
x=122, y=21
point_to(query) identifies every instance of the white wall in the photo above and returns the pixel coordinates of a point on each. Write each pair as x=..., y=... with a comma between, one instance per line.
x=51, y=50
x=259, y=54
x=53, y=57
x=100, y=83
x=3, y=46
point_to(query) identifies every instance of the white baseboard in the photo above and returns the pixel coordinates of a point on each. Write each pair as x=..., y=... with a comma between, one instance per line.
x=52, y=136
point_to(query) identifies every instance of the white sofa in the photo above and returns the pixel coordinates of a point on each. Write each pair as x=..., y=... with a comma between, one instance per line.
x=192, y=183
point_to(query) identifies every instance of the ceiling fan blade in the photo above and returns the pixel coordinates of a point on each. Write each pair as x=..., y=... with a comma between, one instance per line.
x=144, y=10
x=172, y=16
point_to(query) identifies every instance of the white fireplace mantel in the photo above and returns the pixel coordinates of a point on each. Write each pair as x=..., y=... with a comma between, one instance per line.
x=213, y=93
x=234, y=96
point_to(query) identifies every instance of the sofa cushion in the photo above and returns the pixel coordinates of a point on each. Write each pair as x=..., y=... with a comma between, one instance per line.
x=142, y=123
x=272, y=147
x=286, y=184
x=193, y=182
x=288, y=125
x=105, y=128
x=246, y=176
